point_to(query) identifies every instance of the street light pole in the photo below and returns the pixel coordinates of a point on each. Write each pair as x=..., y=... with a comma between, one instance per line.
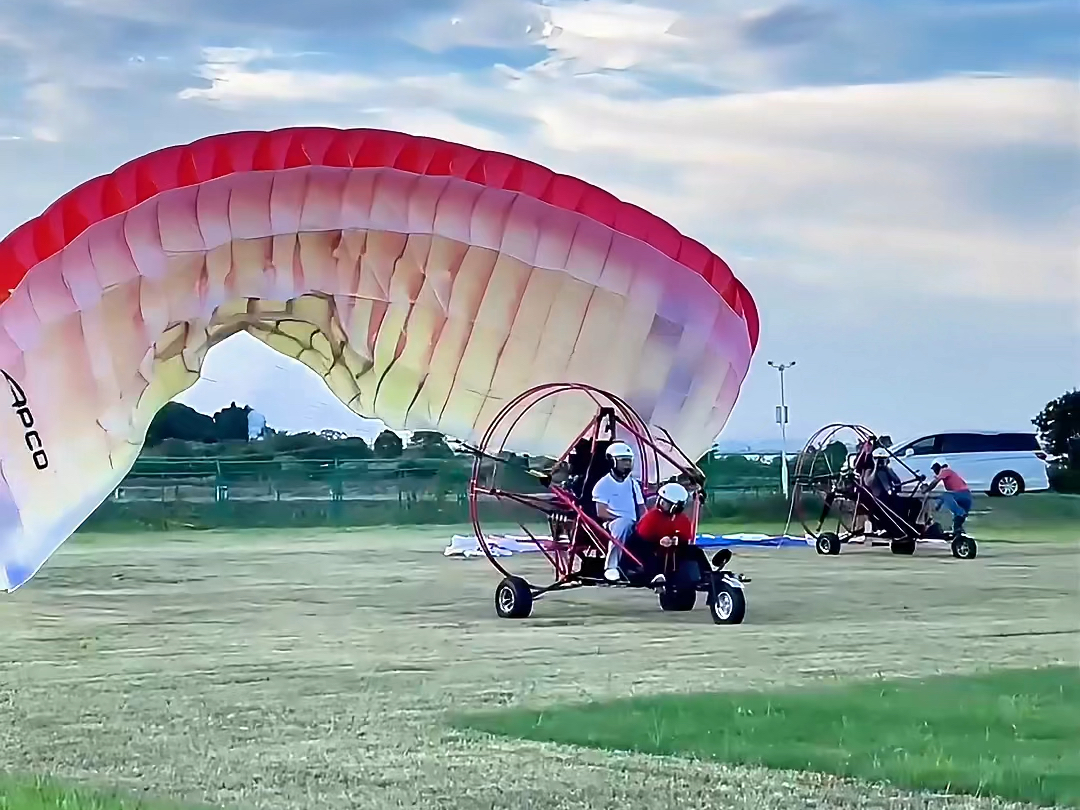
x=782, y=420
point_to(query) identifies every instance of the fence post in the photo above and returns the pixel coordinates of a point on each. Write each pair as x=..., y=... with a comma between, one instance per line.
x=221, y=489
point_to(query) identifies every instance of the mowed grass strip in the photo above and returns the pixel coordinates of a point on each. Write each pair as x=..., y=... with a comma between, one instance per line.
x=1040, y=517
x=38, y=793
x=1011, y=733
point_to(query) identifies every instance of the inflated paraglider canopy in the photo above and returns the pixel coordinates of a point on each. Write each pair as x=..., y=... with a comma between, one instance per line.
x=427, y=282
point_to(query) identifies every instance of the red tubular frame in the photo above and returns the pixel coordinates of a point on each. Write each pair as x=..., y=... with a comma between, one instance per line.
x=558, y=501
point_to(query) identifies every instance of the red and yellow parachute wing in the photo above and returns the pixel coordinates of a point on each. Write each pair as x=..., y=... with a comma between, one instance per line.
x=427, y=282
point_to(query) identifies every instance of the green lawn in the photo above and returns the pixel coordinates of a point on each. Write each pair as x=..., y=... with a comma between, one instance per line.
x=26, y=793
x=1035, y=517
x=1011, y=733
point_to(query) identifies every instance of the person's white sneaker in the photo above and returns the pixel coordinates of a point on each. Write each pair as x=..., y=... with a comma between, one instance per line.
x=612, y=575
x=658, y=581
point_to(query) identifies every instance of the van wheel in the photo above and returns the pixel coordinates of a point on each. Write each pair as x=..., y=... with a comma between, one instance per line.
x=1006, y=484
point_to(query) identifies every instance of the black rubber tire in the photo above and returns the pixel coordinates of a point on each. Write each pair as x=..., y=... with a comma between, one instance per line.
x=964, y=548
x=729, y=604
x=1006, y=484
x=828, y=543
x=513, y=598
x=680, y=600
x=905, y=547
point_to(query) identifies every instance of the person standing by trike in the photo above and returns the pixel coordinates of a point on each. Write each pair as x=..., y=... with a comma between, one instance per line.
x=957, y=495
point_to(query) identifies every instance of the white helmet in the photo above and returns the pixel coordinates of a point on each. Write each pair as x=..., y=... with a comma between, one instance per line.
x=881, y=452
x=619, y=450
x=674, y=493
x=940, y=462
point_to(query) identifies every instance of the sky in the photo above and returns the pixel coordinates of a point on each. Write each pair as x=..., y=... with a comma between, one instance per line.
x=895, y=182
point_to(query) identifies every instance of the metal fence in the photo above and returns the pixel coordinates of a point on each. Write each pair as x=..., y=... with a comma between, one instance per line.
x=291, y=478
x=253, y=492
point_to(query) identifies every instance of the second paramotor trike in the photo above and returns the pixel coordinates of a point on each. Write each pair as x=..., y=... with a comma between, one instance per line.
x=577, y=542
x=838, y=501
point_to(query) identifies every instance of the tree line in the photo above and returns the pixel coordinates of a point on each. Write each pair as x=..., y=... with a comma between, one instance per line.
x=180, y=431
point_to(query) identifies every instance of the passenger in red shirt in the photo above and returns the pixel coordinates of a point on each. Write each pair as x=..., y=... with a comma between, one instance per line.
x=665, y=524
x=664, y=536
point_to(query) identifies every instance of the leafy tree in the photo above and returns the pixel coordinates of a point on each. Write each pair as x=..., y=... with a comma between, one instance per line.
x=184, y=424
x=231, y=424
x=837, y=452
x=176, y=448
x=1059, y=426
x=735, y=468
x=349, y=448
x=429, y=444
x=388, y=445
x=306, y=443
x=177, y=421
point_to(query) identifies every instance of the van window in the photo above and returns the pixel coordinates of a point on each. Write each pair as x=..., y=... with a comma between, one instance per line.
x=925, y=447
x=1013, y=442
x=989, y=443
x=965, y=443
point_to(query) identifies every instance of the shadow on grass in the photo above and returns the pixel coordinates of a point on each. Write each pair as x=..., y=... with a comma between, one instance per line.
x=40, y=793
x=1011, y=733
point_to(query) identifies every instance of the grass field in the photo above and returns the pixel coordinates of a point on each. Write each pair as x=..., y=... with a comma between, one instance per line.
x=1040, y=517
x=1010, y=733
x=37, y=793
x=321, y=669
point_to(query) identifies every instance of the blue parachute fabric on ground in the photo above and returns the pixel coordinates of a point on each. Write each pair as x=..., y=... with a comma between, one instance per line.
x=504, y=545
x=750, y=541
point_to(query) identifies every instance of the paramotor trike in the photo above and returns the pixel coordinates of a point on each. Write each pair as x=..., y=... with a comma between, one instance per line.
x=578, y=541
x=837, y=502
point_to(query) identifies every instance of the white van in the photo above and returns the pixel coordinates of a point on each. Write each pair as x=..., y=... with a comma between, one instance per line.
x=1002, y=463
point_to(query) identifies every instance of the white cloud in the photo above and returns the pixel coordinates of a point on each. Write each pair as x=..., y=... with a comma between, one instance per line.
x=857, y=180
x=233, y=81
x=960, y=111
x=954, y=198
x=672, y=41
x=481, y=23
x=685, y=39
